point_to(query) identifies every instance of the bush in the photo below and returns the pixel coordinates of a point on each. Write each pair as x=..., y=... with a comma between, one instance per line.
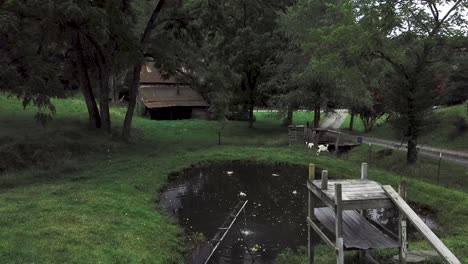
x=461, y=126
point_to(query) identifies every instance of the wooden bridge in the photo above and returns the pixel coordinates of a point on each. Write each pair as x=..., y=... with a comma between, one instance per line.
x=336, y=215
x=338, y=142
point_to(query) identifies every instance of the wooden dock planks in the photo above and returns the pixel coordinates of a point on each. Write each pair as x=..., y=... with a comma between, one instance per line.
x=356, y=194
x=358, y=233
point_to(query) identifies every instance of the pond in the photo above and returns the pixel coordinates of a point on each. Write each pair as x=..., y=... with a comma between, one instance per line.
x=202, y=197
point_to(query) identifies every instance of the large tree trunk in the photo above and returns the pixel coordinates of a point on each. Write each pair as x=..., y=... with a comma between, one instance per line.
x=251, y=86
x=289, y=117
x=251, y=115
x=86, y=88
x=317, y=116
x=351, y=121
x=137, y=69
x=132, y=101
x=412, y=132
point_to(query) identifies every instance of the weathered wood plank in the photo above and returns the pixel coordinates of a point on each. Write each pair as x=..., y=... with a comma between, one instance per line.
x=351, y=200
x=402, y=226
x=339, y=225
x=311, y=215
x=324, y=183
x=315, y=225
x=443, y=251
x=358, y=233
x=364, y=167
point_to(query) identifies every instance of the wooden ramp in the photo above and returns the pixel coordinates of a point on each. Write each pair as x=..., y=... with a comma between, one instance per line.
x=438, y=245
x=358, y=233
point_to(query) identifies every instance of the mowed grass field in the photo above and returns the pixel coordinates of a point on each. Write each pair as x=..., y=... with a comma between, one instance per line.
x=448, y=129
x=72, y=195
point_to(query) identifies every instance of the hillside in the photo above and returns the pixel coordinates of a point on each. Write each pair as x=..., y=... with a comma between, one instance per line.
x=449, y=129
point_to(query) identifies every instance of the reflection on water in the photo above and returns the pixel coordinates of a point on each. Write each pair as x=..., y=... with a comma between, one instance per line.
x=389, y=219
x=274, y=218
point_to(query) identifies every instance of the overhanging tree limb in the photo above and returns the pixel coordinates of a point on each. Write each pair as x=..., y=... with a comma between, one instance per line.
x=150, y=25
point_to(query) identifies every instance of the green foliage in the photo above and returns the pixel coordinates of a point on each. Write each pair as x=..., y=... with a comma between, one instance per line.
x=239, y=38
x=319, y=68
x=406, y=37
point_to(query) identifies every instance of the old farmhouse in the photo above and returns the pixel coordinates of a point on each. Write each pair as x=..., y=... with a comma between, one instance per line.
x=169, y=99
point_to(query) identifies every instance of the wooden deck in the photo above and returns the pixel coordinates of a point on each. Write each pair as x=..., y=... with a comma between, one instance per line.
x=356, y=194
x=358, y=233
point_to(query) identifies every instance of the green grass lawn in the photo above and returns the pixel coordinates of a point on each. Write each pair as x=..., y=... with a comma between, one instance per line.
x=442, y=133
x=72, y=195
x=275, y=118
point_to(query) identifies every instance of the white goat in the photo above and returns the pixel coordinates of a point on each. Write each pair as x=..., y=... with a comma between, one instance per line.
x=321, y=148
x=310, y=145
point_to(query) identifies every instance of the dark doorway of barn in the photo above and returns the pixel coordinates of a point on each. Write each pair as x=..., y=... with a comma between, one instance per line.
x=170, y=113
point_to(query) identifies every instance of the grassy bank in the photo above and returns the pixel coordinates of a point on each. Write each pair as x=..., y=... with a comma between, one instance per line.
x=88, y=198
x=426, y=169
x=445, y=131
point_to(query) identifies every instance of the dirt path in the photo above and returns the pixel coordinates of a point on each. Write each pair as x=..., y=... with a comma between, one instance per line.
x=458, y=157
x=335, y=120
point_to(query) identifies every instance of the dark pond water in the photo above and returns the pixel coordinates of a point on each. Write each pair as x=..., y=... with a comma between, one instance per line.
x=202, y=197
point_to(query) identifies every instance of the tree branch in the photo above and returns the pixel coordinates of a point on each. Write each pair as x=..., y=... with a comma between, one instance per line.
x=151, y=24
x=398, y=67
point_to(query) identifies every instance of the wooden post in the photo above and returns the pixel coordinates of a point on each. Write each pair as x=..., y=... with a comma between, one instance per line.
x=364, y=175
x=311, y=172
x=311, y=215
x=316, y=137
x=402, y=225
x=438, y=167
x=339, y=224
x=324, y=185
x=337, y=143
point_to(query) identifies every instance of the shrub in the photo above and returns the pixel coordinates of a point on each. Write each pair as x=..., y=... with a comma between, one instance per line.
x=461, y=126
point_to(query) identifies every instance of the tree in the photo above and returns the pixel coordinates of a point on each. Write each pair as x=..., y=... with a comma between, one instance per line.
x=28, y=61
x=242, y=36
x=455, y=90
x=96, y=35
x=321, y=30
x=143, y=47
x=412, y=39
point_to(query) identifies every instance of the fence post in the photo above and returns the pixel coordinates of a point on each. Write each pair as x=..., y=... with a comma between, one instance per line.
x=337, y=144
x=370, y=153
x=438, y=168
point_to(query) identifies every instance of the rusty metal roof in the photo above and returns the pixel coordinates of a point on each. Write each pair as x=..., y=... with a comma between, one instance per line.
x=158, y=96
